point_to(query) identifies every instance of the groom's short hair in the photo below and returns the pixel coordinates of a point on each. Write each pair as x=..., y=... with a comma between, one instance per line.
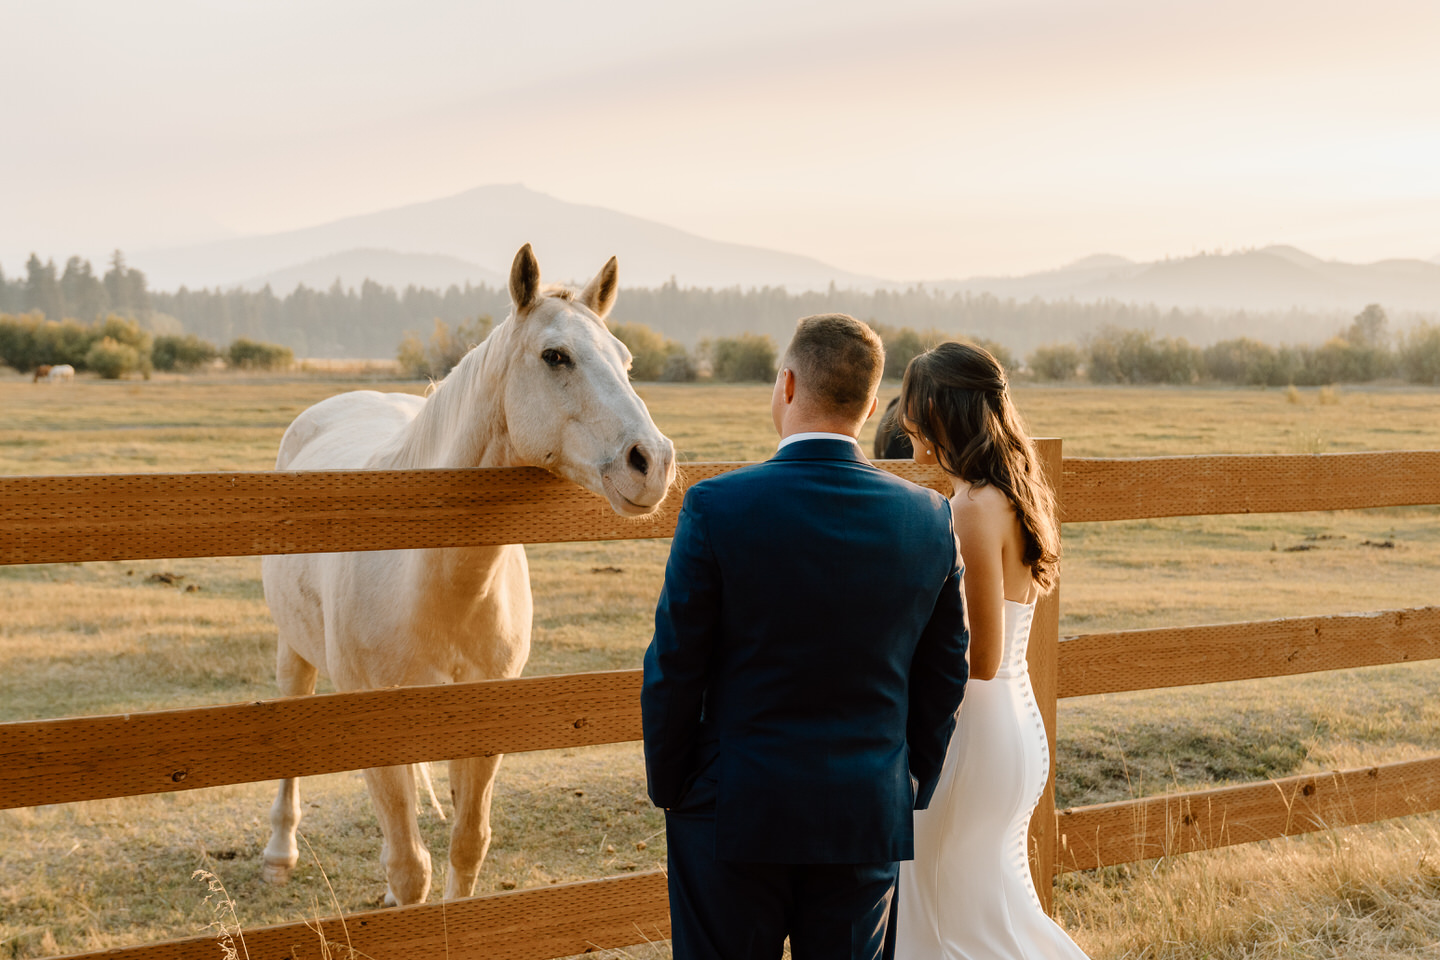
x=838, y=360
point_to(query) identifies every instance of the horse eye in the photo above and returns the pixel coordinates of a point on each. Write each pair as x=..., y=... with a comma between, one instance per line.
x=556, y=358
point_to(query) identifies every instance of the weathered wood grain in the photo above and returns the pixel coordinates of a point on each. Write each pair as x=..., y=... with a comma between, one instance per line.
x=1180, y=656
x=558, y=921
x=1123, y=832
x=89, y=758
x=54, y=761
x=147, y=516
x=1263, y=483
x=150, y=516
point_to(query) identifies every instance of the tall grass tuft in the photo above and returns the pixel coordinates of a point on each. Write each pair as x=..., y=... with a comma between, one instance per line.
x=1361, y=893
x=226, y=923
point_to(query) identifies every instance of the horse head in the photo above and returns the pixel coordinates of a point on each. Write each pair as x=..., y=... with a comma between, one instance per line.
x=568, y=403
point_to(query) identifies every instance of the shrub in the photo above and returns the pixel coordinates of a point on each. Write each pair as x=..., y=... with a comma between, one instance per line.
x=1420, y=354
x=1055, y=361
x=1138, y=356
x=17, y=340
x=1341, y=360
x=410, y=355
x=181, y=352
x=746, y=357
x=127, y=333
x=679, y=366
x=902, y=345
x=1242, y=361
x=996, y=349
x=112, y=359
x=1361, y=352
x=445, y=350
x=245, y=354
x=653, y=354
x=29, y=340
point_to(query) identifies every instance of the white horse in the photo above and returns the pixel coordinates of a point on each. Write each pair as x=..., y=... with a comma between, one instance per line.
x=60, y=373
x=548, y=388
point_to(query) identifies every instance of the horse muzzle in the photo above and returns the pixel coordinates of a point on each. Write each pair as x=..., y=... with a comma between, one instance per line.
x=636, y=482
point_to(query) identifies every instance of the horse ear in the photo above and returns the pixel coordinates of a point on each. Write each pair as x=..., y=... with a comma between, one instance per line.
x=524, y=279
x=599, y=294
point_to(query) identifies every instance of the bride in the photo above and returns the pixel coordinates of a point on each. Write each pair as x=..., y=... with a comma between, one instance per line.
x=968, y=893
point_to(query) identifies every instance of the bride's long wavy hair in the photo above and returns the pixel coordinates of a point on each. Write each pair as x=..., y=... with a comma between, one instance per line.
x=956, y=397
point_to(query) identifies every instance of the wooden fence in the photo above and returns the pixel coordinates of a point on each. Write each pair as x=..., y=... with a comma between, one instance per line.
x=55, y=519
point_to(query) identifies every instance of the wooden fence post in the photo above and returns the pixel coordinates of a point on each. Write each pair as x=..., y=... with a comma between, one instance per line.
x=1043, y=656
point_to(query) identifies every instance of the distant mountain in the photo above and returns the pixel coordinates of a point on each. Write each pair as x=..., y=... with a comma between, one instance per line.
x=385, y=267
x=484, y=227
x=1099, y=261
x=1049, y=284
x=1274, y=278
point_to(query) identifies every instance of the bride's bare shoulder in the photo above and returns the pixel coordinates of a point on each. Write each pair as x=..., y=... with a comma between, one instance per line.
x=982, y=506
x=982, y=497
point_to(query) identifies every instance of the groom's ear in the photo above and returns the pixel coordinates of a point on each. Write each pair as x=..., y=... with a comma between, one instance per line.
x=787, y=377
x=874, y=405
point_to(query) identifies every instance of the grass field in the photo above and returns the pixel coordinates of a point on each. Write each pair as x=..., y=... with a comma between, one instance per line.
x=105, y=637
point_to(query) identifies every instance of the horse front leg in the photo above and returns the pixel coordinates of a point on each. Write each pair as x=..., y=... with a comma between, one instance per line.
x=472, y=787
x=406, y=861
x=296, y=677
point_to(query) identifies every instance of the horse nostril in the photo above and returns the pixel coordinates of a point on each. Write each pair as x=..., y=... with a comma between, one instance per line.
x=638, y=461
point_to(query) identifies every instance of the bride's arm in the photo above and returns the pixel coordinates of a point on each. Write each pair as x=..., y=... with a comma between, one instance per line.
x=981, y=529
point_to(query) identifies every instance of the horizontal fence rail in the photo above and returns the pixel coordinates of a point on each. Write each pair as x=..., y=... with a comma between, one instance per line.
x=153, y=516
x=1130, y=830
x=1183, y=656
x=91, y=758
x=558, y=921
x=1263, y=483
x=163, y=752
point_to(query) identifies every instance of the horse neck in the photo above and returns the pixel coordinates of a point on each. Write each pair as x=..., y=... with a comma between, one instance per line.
x=462, y=423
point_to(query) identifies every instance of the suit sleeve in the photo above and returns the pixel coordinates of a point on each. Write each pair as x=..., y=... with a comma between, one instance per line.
x=687, y=619
x=937, y=682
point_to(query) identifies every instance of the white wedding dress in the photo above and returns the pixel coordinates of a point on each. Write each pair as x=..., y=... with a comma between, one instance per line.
x=968, y=894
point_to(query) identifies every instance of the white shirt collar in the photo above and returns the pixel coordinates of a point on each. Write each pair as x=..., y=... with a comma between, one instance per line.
x=796, y=437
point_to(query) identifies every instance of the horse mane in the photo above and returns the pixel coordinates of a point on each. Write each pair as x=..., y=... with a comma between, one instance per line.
x=558, y=291
x=449, y=404
x=476, y=381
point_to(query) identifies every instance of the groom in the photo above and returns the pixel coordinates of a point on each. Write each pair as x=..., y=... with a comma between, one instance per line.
x=801, y=686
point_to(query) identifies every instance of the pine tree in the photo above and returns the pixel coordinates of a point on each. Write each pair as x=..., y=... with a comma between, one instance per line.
x=42, y=290
x=116, y=286
x=84, y=294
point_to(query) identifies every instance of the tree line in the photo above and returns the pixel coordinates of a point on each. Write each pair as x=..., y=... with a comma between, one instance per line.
x=1363, y=351
x=77, y=291
x=680, y=333
x=368, y=320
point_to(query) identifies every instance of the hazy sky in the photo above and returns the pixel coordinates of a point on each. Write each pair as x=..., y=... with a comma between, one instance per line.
x=904, y=138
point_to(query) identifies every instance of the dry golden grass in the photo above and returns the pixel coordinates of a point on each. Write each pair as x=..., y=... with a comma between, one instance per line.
x=80, y=639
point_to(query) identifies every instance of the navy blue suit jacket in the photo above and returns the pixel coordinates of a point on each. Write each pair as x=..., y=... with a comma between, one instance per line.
x=809, y=656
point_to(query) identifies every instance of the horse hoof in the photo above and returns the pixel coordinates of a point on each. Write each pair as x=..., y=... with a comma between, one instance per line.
x=276, y=873
x=389, y=900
